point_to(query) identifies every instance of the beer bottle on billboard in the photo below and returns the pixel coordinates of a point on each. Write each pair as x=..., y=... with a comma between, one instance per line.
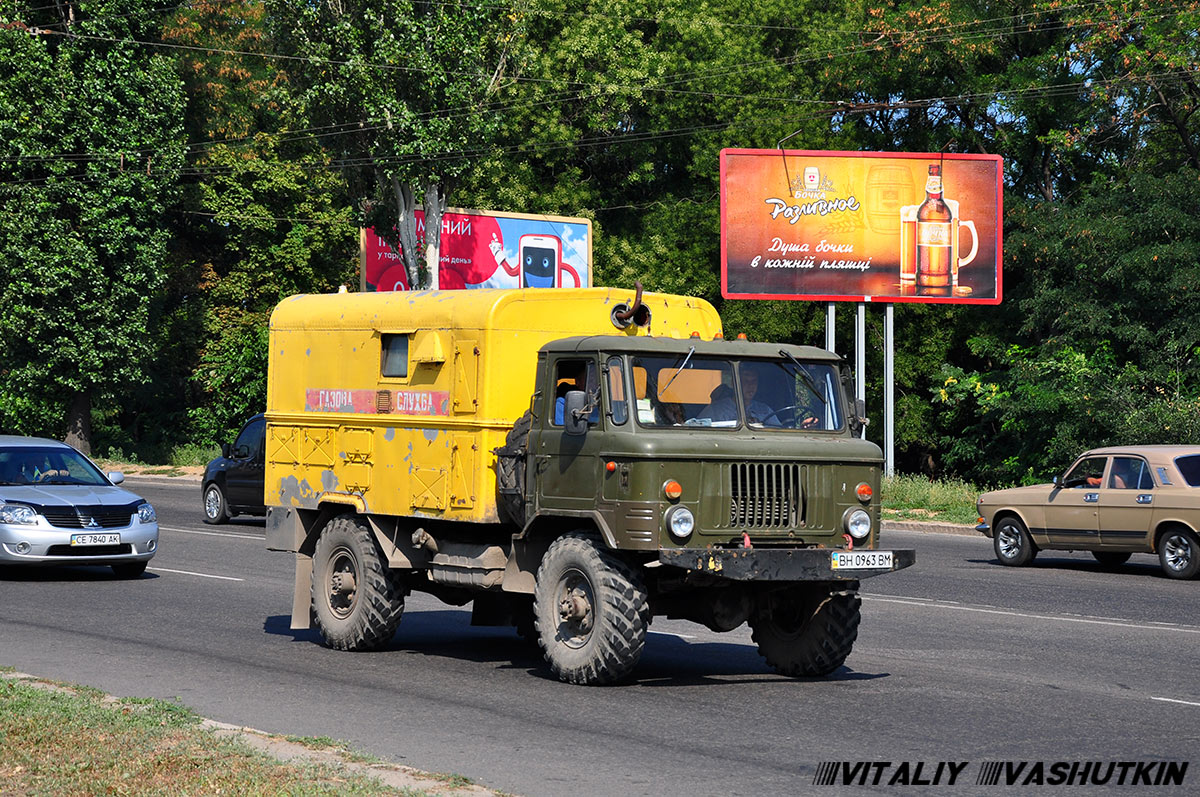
x=934, y=221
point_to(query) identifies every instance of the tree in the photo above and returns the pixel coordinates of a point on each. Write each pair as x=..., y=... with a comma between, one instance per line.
x=91, y=150
x=402, y=90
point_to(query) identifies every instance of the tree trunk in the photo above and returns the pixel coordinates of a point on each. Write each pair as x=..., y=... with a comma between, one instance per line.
x=79, y=422
x=406, y=225
x=435, y=207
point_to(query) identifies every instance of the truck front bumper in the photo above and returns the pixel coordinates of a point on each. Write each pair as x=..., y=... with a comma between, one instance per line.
x=795, y=564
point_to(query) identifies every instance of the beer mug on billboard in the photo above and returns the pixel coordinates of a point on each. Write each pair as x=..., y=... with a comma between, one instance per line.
x=910, y=249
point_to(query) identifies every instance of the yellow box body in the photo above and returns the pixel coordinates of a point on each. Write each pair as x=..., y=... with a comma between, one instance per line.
x=472, y=361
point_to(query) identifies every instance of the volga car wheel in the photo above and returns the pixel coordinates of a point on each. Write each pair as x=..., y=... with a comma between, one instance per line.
x=356, y=600
x=1012, y=543
x=591, y=610
x=216, y=510
x=1111, y=558
x=1179, y=553
x=805, y=633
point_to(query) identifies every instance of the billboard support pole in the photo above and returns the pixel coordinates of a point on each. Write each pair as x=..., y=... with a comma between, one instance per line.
x=830, y=317
x=889, y=408
x=860, y=356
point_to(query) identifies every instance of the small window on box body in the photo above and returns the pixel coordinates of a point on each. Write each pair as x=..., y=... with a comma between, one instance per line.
x=395, y=355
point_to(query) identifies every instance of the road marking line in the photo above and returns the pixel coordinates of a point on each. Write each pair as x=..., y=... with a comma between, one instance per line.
x=211, y=533
x=1170, y=700
x=1115, y=621
x=190, y=573
x=668, y=633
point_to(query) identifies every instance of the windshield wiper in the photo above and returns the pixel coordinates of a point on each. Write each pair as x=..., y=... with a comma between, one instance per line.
x=691, y=351
x=804, y=377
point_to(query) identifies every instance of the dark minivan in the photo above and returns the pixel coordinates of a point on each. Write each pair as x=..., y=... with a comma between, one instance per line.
x=233, y=482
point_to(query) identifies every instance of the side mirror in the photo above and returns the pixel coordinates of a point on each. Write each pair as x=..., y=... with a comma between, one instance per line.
x=225, y=450
x=1057, y=482
x=115, y=476
x=575, y=413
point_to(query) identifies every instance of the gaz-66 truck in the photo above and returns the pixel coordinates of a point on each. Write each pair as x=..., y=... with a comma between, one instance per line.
x=573, y=463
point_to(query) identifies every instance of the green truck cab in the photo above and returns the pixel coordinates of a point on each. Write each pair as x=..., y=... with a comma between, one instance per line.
x=715, y=481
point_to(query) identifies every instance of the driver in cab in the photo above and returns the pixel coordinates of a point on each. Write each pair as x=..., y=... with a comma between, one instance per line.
x=723, y=406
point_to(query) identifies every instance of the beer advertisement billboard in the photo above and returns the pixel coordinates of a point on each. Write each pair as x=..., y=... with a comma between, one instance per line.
x=861, y=226
x=484, y=249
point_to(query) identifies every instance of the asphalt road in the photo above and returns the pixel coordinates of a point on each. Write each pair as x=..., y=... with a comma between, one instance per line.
x=957, y=659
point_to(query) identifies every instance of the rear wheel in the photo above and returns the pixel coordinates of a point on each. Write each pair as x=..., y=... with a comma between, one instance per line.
x=1014, y=546
x=1111, y=558
x=591, y=610
x=216, y=508
x=356, y=600
x=805, y=633
x=1179, y=553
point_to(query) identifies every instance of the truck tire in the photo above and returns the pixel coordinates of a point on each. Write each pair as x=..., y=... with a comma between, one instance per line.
x=356, y=601
x=510, y=472
x=591, y=610
x=802, y=633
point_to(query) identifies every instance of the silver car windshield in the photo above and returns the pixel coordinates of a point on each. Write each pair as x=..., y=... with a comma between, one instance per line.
x=730, y=393
x=24, y=465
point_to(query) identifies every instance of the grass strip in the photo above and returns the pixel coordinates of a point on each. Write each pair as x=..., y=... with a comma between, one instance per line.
x=71, y=740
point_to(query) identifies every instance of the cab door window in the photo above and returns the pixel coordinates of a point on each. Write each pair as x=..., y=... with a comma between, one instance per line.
x=575, y=375
x=249, y=443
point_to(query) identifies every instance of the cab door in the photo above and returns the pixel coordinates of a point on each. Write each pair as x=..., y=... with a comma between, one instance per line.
x=567, y=467
x=1071, y=517
x=1127, y=505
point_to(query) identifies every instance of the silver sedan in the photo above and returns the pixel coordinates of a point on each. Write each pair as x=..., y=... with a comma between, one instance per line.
x=57, y=508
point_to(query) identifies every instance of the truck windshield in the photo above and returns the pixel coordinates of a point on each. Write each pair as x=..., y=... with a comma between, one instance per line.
x=728, y=393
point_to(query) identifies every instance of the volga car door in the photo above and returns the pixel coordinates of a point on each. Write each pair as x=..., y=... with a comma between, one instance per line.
x=1071, y=509
x=1127, y=504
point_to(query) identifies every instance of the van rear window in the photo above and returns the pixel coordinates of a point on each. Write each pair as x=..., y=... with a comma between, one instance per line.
x=1189, y=466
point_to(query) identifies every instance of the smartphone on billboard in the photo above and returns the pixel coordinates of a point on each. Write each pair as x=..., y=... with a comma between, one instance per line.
x=539, y=255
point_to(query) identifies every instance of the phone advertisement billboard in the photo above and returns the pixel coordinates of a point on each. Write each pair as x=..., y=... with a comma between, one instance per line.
x=861, y=226
x=482, y=249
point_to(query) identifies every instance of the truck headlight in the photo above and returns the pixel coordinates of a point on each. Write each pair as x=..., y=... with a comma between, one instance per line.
x=858, y=523
x=680, y=522
x=18, y=515
x=146, y=514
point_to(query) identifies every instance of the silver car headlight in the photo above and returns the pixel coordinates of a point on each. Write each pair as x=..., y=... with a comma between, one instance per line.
x=146, y=514
x=18, y=515
x=858, y=523
x=680, y=522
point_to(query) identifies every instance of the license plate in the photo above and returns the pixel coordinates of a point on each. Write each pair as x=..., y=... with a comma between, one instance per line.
x=95, y=539
x=860, y=560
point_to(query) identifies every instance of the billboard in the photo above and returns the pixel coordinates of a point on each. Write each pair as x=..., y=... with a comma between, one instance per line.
x=861, y=226
x=482, y=249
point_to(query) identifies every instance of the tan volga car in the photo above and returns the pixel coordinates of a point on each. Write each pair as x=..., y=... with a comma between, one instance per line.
x=1113, y=502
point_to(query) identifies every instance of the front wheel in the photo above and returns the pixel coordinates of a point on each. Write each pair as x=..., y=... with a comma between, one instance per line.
x=1014, y=546
x=591, y=610
x=216, y=508
x=805, y=633
x=1179, y=553
x=356, y=600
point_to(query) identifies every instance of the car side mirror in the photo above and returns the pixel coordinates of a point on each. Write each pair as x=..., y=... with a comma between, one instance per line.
x=575, y=413
x=115, y=476
x=1057, y=482
x=225, y=450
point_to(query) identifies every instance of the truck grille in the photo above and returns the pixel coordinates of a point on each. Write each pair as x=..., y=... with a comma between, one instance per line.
x=766, y=495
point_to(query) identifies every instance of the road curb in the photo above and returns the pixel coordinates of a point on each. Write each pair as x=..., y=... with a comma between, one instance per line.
x=930, y=528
